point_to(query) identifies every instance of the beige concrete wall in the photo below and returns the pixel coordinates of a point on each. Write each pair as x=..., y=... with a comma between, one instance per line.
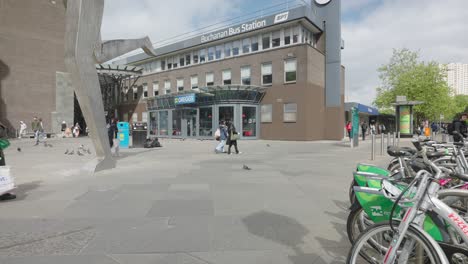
x=31, y=52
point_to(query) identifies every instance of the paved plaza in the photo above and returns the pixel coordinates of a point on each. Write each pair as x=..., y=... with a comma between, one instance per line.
x=180, y=204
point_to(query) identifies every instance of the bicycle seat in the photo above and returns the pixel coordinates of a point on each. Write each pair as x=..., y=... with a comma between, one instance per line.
x=435, y=154
x=397, y=152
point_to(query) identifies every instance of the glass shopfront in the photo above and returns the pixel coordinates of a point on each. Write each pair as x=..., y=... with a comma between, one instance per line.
x=197, y=115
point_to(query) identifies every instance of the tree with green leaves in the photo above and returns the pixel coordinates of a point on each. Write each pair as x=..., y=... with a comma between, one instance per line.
x=407, y=75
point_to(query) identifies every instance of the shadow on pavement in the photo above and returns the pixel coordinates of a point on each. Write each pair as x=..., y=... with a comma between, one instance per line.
x=23, y=189
x=338, y=252
x=280, y=229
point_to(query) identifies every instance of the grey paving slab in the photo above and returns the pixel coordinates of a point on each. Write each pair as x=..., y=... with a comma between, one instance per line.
x=170, y=208
x=290, y=208
x=59, y=260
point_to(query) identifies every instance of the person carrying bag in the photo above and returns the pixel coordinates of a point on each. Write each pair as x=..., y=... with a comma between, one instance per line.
x=233, y=136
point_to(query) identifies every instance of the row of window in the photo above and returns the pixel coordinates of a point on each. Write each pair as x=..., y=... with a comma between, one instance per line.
x=289, y=113
x=290, y=76
x=282, y=37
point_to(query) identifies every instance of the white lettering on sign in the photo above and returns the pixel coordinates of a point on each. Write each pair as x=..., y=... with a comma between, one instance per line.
x=234, y=30
x=281, y=17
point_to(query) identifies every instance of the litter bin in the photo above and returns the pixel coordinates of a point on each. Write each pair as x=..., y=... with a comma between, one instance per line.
x=123, y=134
x=139, y=138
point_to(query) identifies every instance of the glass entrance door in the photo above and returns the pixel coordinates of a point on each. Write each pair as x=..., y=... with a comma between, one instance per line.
x=188, y=122
x=226, y=113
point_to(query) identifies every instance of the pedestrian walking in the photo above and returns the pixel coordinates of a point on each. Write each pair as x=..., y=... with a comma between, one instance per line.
x=35, y=127
x=111, y=128
x=222, y=137
x=348, y=129
x=459, y=126
x=233, y=136
x=23, y=128
x=40, y=131
x=364, y=130
x=63, y=128
x=76, y=130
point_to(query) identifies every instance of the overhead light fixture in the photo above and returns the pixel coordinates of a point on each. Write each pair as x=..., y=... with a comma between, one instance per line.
x=53, y=2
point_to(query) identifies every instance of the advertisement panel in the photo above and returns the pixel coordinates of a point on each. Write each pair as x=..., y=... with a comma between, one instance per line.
x=184, y=99
x=405, y=119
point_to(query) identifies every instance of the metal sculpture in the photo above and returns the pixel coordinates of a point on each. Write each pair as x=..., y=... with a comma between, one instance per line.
x=83, y=49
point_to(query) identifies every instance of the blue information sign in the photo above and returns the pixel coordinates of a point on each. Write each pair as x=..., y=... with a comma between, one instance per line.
x=184, y=99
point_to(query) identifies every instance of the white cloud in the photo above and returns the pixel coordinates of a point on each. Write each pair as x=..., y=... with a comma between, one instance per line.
x=160, y=19
x=436, y=28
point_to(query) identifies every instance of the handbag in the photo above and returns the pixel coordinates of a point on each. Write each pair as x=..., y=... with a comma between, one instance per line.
x=217, y=134
x=234, y=136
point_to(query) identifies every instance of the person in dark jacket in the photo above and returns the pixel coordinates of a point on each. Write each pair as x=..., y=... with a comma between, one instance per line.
x=111, y=130
x=460, y=125
x=232, y=137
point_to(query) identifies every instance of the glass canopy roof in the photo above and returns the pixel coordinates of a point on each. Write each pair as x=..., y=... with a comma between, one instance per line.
x=209, y=95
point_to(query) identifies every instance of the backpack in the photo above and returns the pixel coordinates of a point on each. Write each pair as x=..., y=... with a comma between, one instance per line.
x=451, y=128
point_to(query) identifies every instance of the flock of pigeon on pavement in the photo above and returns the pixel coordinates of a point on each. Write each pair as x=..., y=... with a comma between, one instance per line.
x=81, y=151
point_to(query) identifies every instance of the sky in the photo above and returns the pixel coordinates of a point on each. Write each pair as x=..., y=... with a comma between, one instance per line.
x=371, y=29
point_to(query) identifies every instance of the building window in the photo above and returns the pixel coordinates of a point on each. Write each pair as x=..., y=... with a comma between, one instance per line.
x=209, y=79
x=267, y=76
x=219, y=50
x=169, y=63
x=245, y=75
x=227, y=49
x=289, y=114
x=295, y=35
x=180, y=85
x=145, y=90
x=195, y=58
x=276, y=39
x=155, y=88
x=290, y=69
x=211, y=52
x=226, y=77
x=144, y=117
x=125, y=117
x=158, y=66
x=246, y=45
x=187, y=59
x=202, y=55
x=287, y=36
x=254, y=43
x=134, y=117
x=266, y=113
x=163, y=65
x=266, y=41
x=182, y=61
x=175, y=62
x=194, y=82
x=235, y=48
x=135, y=93
x=167, y=87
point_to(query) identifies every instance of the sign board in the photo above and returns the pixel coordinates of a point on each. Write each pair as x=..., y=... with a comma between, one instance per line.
x=401, y=98
x=405, y=119
x=184, y=99
x=355, y=126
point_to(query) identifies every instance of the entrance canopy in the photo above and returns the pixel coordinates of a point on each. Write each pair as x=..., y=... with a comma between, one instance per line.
x=209, y=95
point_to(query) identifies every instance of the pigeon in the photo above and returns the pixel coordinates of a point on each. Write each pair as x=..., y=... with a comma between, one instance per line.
x=268, y=145
x=45, y=144
x=79, y=153
x=72, y=152
x=18, y=149
x=245, y=167
x=50, y=145
x=89, y=151
x=66, y=152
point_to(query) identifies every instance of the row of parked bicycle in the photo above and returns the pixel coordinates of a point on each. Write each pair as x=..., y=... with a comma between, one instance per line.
x=413, y=211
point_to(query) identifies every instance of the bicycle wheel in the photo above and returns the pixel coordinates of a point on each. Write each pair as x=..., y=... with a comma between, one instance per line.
x=357, y=222
x=372, y=245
